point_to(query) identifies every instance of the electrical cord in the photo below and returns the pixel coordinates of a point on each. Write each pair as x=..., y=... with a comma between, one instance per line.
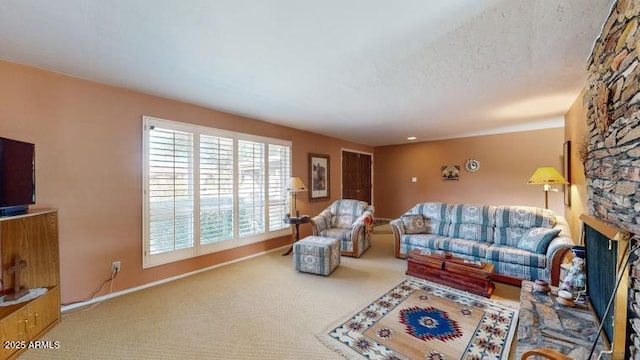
x=114, y=275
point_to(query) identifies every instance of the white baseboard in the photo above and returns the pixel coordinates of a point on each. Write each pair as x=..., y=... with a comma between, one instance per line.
x=160, y=282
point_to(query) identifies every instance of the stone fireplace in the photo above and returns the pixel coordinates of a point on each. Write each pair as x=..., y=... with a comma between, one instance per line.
x=611, y=149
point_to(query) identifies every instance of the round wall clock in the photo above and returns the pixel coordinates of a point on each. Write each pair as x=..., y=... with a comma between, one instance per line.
x=472, y=165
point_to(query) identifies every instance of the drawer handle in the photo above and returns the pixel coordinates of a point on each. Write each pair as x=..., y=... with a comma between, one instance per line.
x=26, y=326
x=35, y=320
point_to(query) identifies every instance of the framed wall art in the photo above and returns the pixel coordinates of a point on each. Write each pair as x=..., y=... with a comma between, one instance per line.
x=319, y=177
x=450, y=173
x=566, y=171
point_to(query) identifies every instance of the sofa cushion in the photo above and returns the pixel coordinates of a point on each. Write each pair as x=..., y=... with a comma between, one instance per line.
x=473, y=214
x=537, y=239
x=341, y=234
x=346, y=212
x=474, y=232
x=512, y=255
x=437, y=227
x=509, y=236
x=343, y=221
x=467, y=247
x=524, y=217
x=512, y=222
x=521, y=272
x=415, y=224
x=435, y=211
x=436, y=215
x=473, y=222
x=344, y=235
x=348, y=207
x=425, y=241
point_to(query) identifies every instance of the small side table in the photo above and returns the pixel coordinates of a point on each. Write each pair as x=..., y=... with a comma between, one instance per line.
x=296, y=221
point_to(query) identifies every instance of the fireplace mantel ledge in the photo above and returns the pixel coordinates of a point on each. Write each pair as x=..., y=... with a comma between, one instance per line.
x=605, y=229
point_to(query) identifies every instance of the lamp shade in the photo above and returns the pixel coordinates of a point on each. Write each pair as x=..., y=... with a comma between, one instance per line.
x=546, y=176
x=296, y=185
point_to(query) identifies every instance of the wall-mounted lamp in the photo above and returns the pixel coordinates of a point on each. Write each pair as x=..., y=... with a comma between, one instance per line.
x=547, y=176
x=295, y=186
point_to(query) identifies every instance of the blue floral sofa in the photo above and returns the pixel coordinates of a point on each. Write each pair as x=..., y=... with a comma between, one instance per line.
x=348, y=220
x=522, y=242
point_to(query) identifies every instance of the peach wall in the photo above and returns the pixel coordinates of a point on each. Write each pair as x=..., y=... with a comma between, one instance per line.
x=88, y=165
x=506, y=163
x=575, y=129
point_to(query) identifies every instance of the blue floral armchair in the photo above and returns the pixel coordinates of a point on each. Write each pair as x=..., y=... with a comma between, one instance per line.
x=350, y=221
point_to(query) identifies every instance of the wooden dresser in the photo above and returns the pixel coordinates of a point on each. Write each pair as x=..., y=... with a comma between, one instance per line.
x=34, y=238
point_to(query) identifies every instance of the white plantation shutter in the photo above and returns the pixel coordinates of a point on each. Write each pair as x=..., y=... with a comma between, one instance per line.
x=216, y=189
x=219, y=187
x=251, y=187
x=170, y=191
x=279, y=174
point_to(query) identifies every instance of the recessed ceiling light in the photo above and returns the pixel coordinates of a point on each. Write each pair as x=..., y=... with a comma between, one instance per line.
x=411, y=138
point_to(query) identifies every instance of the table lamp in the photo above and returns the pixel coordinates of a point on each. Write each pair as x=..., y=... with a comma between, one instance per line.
x=295, y=186
x=547, y=176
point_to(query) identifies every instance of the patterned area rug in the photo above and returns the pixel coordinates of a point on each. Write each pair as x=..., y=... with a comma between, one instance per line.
x=419, y=319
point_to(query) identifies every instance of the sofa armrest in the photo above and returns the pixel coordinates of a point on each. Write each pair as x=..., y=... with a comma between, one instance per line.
x=397, y=226
x=321, y=222
x=556, y=252
x=363, y=226
x=364, y=219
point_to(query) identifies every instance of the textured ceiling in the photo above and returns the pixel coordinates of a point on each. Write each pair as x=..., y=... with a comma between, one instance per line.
x=369, y=71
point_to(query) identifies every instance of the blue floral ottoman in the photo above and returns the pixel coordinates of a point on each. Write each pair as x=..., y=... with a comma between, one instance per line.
x=316, y=254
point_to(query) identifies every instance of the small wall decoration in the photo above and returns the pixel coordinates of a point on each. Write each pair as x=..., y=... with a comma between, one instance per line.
x=472, y=165
x=450, y=172
x=566, y=169
x=319, y=177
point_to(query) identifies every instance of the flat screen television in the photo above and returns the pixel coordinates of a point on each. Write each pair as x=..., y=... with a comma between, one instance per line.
x=17, y=176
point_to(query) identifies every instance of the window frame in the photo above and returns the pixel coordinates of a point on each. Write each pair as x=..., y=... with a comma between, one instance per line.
x=197, y=249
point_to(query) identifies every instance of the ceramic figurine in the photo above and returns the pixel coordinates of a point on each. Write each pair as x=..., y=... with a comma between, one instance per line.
x=575, y=281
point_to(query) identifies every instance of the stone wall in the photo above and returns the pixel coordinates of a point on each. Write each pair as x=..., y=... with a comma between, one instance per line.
x=612, y=105
x=611, y=150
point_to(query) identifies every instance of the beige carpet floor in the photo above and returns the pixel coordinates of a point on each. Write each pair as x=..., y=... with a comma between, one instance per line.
x=255, y=309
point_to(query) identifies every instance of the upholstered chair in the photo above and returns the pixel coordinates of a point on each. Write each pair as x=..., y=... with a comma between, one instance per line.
x=350, y=221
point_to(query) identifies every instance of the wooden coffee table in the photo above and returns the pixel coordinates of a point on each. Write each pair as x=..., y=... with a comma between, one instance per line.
x=442, y=268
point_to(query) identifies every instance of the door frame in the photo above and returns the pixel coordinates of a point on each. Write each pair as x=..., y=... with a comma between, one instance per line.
x=342, y=150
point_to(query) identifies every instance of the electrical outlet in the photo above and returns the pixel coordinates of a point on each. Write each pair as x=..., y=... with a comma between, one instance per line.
x=115, y=267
